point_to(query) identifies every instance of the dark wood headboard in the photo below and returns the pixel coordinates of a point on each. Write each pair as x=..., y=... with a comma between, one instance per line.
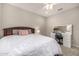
x=9, y=31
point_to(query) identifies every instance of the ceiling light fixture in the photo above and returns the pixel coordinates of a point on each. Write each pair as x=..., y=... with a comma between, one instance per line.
x=48, y=7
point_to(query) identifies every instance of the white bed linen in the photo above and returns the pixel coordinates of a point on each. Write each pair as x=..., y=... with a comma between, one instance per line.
x=30, y=45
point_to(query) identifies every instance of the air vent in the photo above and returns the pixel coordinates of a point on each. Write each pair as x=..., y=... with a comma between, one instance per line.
x=60, y=9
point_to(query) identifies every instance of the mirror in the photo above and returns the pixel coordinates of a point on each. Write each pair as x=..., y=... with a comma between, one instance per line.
x=63, y=34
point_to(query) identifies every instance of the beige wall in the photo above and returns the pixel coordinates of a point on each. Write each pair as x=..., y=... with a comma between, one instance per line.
x=68, y=17
x=14, y=16
x=1, y=12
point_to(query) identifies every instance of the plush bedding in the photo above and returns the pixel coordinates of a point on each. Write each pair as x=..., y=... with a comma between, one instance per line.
x=30, y=45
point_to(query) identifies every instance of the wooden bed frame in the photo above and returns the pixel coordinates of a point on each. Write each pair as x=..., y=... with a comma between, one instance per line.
x=9, y=31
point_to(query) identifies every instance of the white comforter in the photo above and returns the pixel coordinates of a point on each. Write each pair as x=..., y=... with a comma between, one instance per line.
x=30, y=45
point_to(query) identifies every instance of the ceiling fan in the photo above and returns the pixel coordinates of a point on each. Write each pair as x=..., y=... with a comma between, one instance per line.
x=48, y=7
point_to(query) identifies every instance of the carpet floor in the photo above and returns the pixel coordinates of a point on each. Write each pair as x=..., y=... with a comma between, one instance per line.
x=70, y=51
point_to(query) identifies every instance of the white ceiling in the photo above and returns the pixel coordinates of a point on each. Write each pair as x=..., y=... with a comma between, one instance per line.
x=38, y=8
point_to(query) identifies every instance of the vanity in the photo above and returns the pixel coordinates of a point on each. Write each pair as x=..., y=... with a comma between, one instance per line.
x=66, y=32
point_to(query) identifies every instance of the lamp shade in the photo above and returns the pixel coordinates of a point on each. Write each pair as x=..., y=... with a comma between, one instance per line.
x=37, y=30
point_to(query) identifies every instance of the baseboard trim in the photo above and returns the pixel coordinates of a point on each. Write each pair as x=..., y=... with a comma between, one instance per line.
x=75, y=46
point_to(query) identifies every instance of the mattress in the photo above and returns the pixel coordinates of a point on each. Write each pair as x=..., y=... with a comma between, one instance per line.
x=30, y=45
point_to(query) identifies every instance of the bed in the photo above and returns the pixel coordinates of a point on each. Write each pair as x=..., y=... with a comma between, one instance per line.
x=13, y=44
